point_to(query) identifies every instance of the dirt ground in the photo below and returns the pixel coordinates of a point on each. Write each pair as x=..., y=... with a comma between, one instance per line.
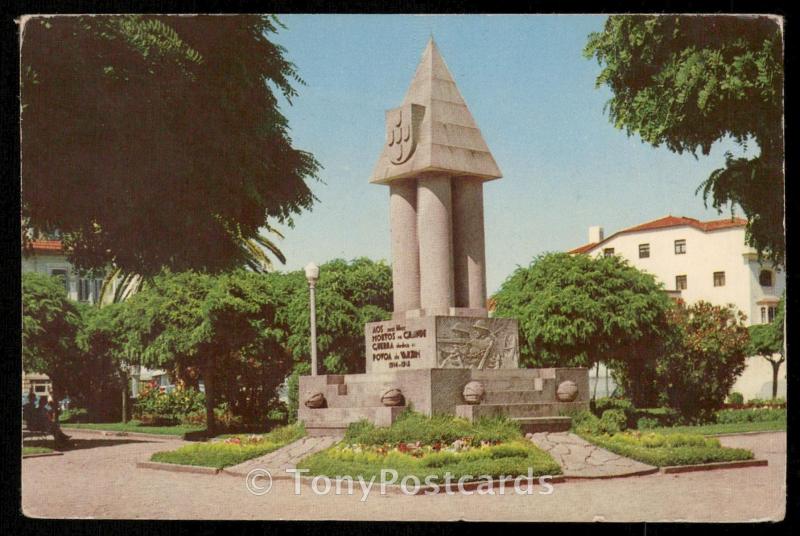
x=99, y=480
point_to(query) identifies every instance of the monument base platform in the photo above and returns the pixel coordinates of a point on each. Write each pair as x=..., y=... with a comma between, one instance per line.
x=537, y=398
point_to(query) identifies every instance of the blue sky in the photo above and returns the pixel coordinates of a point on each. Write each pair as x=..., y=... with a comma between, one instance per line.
x=532, y=93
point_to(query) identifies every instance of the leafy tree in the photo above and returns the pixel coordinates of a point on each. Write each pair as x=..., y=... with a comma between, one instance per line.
x=105, y=372
x=707, y=353
x=580, y=310
x=50, y=324
x=348, y=295
x=223, y=326
x=140, y=132
x=766, y=340
x=688, y=81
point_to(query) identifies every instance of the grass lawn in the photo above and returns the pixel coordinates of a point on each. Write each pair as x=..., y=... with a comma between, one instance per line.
x=136, y=426
x=35, y=450
x=232, y=449
x=420, y=446
x=722, y=428
x=667, y=449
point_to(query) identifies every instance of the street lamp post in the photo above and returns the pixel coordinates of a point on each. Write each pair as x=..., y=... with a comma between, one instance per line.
x=312, y=274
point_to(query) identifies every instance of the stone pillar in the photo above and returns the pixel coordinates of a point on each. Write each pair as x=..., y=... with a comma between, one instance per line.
x=469, y=256
x=405, y=248
x=434, y=229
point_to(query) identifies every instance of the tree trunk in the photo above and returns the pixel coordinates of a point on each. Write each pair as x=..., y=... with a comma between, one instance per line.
x=208, y=380
x=124, y=398
x=596, y=380
x=776, y=366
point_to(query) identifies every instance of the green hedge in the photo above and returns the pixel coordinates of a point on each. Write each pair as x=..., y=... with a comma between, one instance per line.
x=411, y=427
x=751, y=415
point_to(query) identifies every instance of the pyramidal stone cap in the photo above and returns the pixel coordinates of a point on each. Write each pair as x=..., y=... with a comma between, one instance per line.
x=433, y=130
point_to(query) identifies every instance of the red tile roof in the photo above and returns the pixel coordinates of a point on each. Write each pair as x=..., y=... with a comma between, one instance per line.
x=584, y=248
x=46, y=245
x=669, y=221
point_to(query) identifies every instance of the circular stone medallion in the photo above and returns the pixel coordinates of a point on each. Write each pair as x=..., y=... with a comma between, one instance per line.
x=567, y=391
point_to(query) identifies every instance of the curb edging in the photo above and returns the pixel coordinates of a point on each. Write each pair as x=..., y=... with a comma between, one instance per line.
x=736, y=464
x=42, y=454
x=178, y=468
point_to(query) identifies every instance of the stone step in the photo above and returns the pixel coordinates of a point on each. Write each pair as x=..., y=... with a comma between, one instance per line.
x=534, y=409
x=514, y=374
x=535, y=425
x=521, y=396
x=332, y=429
x=545, y=385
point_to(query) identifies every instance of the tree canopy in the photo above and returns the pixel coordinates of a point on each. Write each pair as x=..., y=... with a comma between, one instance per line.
x=766, y=340
x=689, y=81
x=579, y=310
x=158, y=141
x=349, y=294
x=706, y=354
x=50, y=326
x=217, y=327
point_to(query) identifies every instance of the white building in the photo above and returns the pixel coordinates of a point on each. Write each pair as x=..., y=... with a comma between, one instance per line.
x=48, y=257
x=704, y=260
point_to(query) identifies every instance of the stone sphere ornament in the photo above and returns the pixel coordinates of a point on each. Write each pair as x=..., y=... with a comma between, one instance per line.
x=474, y=392
x=567, y=391
x=392, y=398
x=315, y=401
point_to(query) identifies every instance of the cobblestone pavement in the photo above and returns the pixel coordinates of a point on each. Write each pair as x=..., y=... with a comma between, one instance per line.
x=287, y=457
x=580, y=459
x=100, y=480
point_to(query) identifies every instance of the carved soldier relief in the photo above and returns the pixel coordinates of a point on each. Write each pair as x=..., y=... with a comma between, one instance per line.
x=485, y=343
x=402, y=131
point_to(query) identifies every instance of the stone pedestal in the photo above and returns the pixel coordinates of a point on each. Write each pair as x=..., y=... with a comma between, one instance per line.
x=469, y=342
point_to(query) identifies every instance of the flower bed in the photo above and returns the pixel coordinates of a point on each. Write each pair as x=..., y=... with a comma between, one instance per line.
x=668, y=449
x=230, y=450
x=421, y=446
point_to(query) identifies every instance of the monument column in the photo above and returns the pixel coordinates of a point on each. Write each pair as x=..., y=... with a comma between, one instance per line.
x=405, y=249
x=434, y=229
x=469, y=257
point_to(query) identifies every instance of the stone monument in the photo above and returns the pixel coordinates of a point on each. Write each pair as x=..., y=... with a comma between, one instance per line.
x=440, y=352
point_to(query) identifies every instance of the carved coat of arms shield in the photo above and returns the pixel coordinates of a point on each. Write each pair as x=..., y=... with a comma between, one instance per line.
x=402, y=131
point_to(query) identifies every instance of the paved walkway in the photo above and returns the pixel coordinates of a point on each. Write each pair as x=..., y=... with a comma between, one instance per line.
x=99, y=480
x=580, y=459
x=287, y=457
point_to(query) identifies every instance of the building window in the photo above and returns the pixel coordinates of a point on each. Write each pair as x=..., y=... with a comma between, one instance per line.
x=680, y=282
x=61, y=274
x=765, y=278
x=97, y=285
x=40, y=388
x=644, y=251
x=763, y=315
x=771, y=313
x=680, y=247
x=84, y=289
x=719, y=279
x=607, y=252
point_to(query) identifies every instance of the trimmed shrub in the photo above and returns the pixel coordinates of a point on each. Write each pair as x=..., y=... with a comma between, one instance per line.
x=735, y=398
x=411, y=427
x=585, y=422
x=645, y=423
